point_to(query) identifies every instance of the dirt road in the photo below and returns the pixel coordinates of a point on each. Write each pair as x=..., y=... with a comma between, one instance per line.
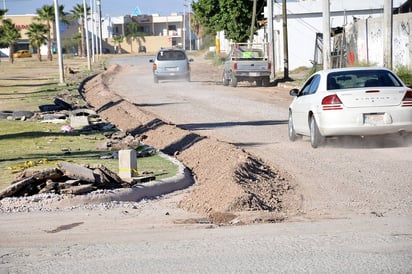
x=354, y=200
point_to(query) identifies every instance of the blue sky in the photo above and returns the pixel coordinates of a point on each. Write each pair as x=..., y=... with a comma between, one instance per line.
x=109, y=7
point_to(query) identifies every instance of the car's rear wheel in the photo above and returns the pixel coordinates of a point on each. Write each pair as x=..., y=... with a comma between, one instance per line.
x=291, y=128
x=155, y=79
x=316, y=139
x=188, y=78
x=259, y=82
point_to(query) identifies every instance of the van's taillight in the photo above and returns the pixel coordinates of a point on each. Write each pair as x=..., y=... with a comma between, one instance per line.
x=331, y=102
x=407, y=100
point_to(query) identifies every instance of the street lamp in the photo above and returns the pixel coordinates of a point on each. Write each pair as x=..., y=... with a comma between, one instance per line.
x=99, y=6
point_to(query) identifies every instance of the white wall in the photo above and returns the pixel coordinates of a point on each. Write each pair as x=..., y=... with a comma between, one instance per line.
x=305, y=19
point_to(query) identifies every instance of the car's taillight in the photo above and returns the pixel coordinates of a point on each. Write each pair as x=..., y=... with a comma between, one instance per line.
x=235, y=66
x=407, y=100
x=331, y=102
x=154, y=67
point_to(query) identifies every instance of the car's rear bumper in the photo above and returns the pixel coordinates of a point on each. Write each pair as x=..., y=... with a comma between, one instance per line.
x=342, y=122
x=171, y=75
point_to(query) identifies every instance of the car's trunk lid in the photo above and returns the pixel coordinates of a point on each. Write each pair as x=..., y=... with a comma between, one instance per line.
x=372, y=97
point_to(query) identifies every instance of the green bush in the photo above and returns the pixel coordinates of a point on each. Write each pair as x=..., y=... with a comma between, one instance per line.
x=405, y=74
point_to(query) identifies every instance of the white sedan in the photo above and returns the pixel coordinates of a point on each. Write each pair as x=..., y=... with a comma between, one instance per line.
x=350, y=101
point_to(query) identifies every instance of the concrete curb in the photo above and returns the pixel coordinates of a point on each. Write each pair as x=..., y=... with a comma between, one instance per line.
x=181, y=180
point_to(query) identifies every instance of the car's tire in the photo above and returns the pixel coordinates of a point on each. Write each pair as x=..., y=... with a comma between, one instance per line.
x=265, y=81
x=6, y=113
x=188, y=78
x=155, y=79
x=62, y=104
x=259, y=82
x=291, y=129
x=316, y=139
x=225, y=80
x=233, y=81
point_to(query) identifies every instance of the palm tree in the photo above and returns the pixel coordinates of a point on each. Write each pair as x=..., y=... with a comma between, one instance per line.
x=133, y=33
x=37, y=36
x=78, y=13
x=9, y=36
x=46, y=14
x=117, y=40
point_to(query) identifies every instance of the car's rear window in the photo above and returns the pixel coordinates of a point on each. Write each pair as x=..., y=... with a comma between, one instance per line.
x=361, y=78
x=171, y=55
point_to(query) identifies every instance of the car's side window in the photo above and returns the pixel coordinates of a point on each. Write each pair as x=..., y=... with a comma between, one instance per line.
x=311, y=85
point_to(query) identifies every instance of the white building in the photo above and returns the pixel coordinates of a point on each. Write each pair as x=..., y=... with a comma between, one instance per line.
x=304, y=20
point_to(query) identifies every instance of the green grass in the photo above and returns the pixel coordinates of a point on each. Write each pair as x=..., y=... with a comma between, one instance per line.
x=27, y=84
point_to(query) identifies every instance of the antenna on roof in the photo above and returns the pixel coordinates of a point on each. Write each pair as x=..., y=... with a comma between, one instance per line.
x=137, y=11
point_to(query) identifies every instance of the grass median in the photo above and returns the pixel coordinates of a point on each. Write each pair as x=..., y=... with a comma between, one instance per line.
x=34, y=144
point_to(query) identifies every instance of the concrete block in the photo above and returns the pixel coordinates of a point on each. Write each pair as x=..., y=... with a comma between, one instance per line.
x=79, y=121
x=127, y=164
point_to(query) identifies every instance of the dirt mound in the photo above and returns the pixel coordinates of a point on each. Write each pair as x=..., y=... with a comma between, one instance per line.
x=228, y=179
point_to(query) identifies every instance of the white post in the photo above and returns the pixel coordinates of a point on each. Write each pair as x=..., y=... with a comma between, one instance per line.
x=59, y=47
x=326, y=35
x=128, y=164
x=86, y=30
x=387, y=33
x=92, y=27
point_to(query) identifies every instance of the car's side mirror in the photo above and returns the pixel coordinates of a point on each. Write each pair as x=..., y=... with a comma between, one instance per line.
x=151, y=60
x=191, y=60
x=294, y=92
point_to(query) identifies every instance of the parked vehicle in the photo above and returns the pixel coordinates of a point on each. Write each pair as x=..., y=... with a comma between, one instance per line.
x=171, y=64
x=247, y=62
x=22, y=53
x=350, y=101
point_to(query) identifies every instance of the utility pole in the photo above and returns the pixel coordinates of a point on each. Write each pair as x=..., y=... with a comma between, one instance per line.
x=59, y=47
x=326, y=34
x=285, y=42
x=271, y=40
x=86, y=30
x=252, y=25
x=387, y=33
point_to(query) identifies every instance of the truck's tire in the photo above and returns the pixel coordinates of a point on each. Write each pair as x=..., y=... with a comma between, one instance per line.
x=233, y=81
x=265, y=81
x=225, y=80
x=259, y=82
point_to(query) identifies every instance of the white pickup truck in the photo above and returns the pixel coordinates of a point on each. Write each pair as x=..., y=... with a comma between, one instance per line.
x=247, y=62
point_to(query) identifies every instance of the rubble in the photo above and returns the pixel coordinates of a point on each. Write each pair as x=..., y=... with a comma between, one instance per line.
x=67, y=178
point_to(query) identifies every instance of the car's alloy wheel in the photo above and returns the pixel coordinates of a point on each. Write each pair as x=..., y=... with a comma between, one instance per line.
x=316, y=139
x=291, y=129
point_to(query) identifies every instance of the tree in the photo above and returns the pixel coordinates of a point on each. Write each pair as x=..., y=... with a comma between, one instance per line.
x=133, y=33
x=46, y=15
x=78, y=13
x=37, y=36
x=232, y=16
x=9, y=36
x=117, y=40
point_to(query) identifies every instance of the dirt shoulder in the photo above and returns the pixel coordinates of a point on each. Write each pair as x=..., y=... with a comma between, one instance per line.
x=229, y=181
